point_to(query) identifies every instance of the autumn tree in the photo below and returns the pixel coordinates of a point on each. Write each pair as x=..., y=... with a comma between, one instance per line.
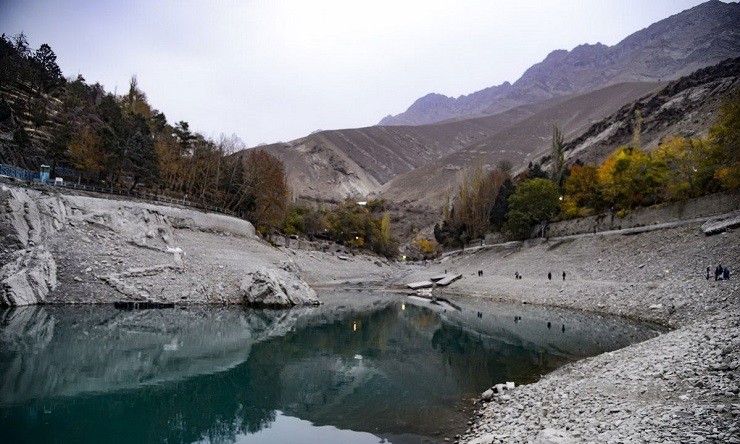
x=631, y=178
x=85, y=150
x=682, y=158
x=266, y=192
x=583, y=191
x=724, y=149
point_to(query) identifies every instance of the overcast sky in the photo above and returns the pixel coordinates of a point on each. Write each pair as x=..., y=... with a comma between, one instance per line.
x=273, y=71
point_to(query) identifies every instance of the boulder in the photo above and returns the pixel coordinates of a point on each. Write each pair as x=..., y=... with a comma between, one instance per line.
x=554, y=436
x=484, y=439
x=487, y=395
x=268, y=288
x=720, y=224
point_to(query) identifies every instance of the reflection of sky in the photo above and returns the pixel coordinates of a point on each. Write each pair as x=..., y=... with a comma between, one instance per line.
x=297, y=431
x=383, y=366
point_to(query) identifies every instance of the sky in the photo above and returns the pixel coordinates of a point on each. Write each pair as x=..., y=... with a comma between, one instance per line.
x=272, y=71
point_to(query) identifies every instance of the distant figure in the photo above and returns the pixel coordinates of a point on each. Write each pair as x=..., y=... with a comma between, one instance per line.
x=516, y=275
x=726, y=274
x=563, y=275
x=549, y=276
x=707, y=273
x=718, y=272
x=549, y=325
x=563, y=329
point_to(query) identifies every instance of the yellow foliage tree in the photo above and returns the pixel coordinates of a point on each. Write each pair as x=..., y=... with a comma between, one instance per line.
x=86, y=151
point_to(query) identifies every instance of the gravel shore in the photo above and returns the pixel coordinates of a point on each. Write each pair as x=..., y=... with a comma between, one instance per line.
x=682, y=386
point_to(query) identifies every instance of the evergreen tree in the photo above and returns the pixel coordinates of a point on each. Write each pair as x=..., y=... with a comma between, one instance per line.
x=558, y=156
x=141, y=156
x=501, y=204
x=48, y=74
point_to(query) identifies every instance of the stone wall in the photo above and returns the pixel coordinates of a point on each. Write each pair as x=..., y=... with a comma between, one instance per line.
x=714, y=204
x=308, y=245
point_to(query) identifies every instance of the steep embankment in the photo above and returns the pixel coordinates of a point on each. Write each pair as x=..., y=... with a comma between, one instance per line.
x=79, y=249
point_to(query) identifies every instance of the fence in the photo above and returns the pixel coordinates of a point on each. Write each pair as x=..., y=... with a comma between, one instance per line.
x=18, y=173
x=31, y=176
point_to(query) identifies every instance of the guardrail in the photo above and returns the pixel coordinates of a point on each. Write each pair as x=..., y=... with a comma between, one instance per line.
x=34, y=177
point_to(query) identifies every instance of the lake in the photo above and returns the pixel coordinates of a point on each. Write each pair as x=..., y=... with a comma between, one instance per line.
x=363, y=367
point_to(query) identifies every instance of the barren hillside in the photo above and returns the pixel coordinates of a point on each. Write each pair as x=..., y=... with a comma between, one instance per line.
x=685, y=107
x=519, y=143
x=331, y=165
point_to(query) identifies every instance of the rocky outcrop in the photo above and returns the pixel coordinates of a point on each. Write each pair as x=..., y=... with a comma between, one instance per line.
x=72, y=248
x=27, y=269
x=267, y=288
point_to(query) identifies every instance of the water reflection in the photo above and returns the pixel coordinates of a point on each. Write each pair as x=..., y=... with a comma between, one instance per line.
x=392, y=369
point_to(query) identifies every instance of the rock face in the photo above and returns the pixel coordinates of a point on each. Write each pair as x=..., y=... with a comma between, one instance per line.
x=674, y=47
x=74, y=248
x=28, y=271
x=267, y=288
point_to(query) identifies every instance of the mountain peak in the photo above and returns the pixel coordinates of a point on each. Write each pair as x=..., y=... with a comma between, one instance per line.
x=668, y=49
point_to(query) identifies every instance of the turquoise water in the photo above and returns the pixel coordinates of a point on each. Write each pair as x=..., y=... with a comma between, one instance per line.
x=361, y=368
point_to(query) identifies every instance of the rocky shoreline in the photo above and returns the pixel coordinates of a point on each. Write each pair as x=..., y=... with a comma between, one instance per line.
x=682, y=386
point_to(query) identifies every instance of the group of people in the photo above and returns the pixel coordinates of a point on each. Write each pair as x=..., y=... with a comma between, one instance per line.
x=720, y=273
x=549, y=275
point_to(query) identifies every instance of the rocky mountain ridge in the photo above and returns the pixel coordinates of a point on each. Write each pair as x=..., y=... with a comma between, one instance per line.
x=666, y=50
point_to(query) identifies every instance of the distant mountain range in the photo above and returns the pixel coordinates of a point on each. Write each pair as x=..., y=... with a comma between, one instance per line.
x=671, y=48
x=583, y=91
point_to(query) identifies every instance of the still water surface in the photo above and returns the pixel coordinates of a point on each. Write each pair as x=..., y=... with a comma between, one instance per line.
x=363, y=367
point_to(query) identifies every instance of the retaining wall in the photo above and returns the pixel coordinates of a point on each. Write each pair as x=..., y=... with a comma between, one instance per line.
x=713, y=204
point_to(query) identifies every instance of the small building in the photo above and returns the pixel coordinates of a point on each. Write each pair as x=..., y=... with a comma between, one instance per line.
x=44, y=174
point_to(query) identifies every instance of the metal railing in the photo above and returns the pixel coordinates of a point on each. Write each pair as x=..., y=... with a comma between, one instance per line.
x=18, y=173
x=34, y=177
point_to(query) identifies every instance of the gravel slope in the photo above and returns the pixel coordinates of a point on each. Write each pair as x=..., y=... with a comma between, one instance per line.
x=682, y=386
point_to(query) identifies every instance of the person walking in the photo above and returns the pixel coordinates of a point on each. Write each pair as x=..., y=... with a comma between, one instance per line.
x=707, y=273
x=549, y=276
x=563, y=275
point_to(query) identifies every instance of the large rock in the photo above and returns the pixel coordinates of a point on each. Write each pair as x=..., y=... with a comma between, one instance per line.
x=554, y=436
x=722, y=223
x=267, y=288
x=28, y=279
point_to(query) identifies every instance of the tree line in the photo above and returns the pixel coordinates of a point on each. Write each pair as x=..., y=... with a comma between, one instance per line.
x=631, y=177
x=122, y=141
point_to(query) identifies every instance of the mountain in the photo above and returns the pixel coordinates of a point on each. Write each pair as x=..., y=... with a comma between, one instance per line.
x=331, y=165
x=594, y=124
x=671, y=48
x=519, y=143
